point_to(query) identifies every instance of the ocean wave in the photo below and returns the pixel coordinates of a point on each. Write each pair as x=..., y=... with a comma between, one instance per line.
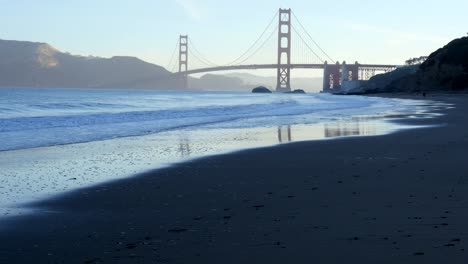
x=107, y=115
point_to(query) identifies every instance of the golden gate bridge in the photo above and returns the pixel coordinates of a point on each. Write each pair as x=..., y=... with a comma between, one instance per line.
x=307, y=55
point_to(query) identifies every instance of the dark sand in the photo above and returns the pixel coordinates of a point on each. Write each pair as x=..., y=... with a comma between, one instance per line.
x=399, y=198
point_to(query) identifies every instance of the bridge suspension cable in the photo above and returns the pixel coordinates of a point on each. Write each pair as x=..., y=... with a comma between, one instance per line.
x=197, y=62
x=299, y=52
x=236, y=61
x=172, y=63
x=307, y=45
x=200, y=55
x=260, y=47
x=312, y=39
x=306, y=49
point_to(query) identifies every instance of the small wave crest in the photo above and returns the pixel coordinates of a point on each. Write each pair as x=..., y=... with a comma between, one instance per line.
x=104, y=118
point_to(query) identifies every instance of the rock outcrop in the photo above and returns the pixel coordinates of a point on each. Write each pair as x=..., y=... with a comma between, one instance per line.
x=444, y=70
x=261, y=89
x=298, y=91
x=384, y=82
x=447, y=67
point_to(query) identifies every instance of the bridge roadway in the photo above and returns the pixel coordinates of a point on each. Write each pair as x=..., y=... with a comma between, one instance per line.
x=275, y=66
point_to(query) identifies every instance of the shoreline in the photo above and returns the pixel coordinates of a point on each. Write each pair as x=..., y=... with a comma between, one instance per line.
x=65, y=168
x=368, y=199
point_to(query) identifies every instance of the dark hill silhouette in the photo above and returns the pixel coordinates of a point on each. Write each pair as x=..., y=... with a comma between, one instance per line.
x=34, y=64
x=446, y=69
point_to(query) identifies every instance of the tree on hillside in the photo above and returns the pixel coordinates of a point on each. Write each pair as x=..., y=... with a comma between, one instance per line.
x=415, y=61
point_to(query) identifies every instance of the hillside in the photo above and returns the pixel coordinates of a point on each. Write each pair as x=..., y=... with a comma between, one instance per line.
x=34, y=64
x=446, y=69
x=311, y=84
x=217, y=82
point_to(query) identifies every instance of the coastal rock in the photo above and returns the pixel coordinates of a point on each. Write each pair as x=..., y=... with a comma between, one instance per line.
x=381, y=82
x=446, y=69
x=298, y=91
x=261, y=89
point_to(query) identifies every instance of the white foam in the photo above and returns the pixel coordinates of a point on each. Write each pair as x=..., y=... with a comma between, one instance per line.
x=32, y=118
x=38, y=129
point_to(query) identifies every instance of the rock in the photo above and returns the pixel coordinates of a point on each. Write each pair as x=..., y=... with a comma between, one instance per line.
x=261, y=89
x=298, y=91
x=381, y=82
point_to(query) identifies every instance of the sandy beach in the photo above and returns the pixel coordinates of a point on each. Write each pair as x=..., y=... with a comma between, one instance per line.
x=397, y=198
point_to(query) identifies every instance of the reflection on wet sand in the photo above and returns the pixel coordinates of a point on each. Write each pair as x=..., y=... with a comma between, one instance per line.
x=184, y=147
x=284, y=134
x=343, y=128
x=354, y=127
x=191, y=145
x=68, y=167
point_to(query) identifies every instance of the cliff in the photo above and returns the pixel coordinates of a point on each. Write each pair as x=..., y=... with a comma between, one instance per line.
x=446, y=69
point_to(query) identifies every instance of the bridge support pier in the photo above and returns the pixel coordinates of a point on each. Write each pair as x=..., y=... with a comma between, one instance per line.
x=284, y=51
x=355, y=71
x=332, y=77
x=344, y=72
x=183, y=59
x=349, y=72
x=335, y=74
x=336, y=77
x=326, y=78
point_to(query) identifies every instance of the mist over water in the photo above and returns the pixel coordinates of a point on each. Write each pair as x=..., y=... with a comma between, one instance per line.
x=57, y=140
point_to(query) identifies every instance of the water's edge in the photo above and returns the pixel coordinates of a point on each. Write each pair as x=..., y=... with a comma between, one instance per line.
x=39, y=173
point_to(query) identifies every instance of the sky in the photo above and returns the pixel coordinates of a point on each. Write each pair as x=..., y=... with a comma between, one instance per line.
x=385, y=32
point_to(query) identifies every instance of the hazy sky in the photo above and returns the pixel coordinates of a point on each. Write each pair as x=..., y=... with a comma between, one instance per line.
x=367, y=31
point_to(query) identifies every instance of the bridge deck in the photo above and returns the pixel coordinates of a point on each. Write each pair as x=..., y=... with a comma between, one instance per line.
x=275, y=66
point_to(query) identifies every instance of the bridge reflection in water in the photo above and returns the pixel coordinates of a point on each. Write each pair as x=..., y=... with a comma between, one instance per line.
x=199, y=143
x=284, y=134
x=354, y=127
x=184, y=147
x=101, y=161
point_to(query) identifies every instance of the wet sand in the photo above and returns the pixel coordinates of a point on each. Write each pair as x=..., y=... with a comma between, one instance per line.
x=398, y=198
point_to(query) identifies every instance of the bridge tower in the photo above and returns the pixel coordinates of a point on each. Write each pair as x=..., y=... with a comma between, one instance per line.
x=183, y=59
x=326, y=78
x=284, y=51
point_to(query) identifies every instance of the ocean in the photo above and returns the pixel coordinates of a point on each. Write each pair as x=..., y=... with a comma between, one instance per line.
x=57, y=140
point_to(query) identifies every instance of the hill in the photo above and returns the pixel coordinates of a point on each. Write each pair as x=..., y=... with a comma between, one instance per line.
x=33, y=64
x=446, y=69
x=311, y=84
